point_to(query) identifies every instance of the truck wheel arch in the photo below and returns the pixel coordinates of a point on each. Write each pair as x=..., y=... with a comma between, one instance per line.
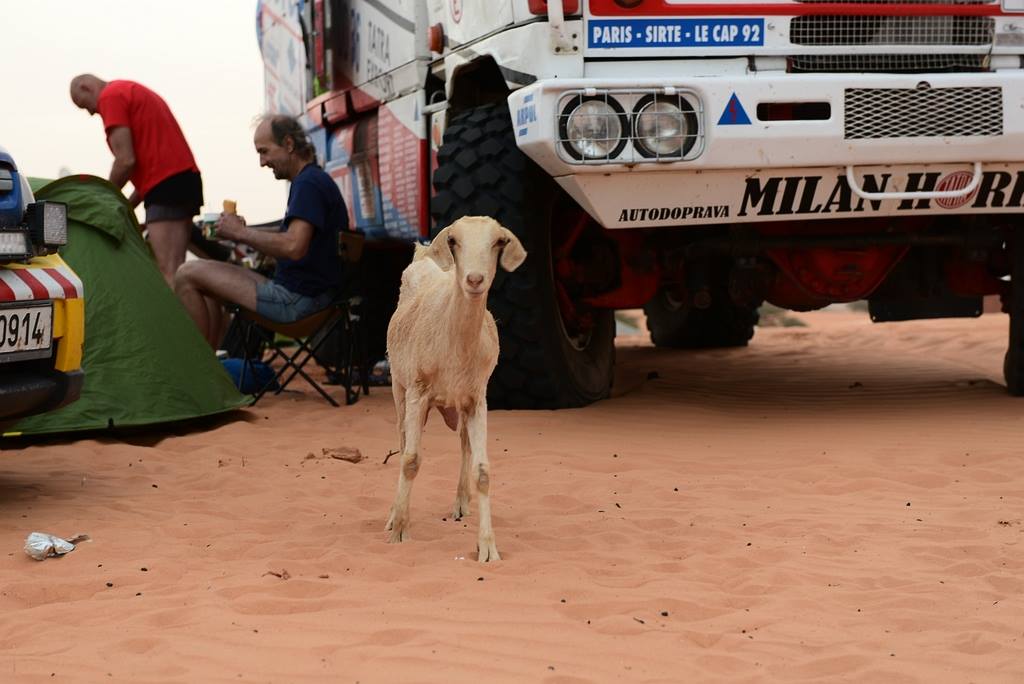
x=476, y=83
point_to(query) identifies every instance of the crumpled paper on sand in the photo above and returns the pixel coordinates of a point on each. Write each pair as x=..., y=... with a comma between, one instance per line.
x=41, y=546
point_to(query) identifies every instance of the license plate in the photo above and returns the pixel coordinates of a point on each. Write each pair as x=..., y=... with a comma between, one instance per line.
x=26, y=331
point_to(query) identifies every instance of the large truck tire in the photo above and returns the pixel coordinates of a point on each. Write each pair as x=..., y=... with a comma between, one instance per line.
x=1013, y=362
x=680, y=325
x=482, y=172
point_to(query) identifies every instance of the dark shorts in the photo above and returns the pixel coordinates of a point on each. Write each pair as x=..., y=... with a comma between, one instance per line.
x=176, y=198
x=278, y=303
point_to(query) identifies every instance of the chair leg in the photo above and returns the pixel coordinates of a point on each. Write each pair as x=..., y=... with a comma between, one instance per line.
x=351, y=351
x=358, y=357
x=297, y=369
x=343, y=366
x=346, y=361
x=357, y=354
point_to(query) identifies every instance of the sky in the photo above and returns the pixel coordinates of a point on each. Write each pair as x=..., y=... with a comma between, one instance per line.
x=201, y=56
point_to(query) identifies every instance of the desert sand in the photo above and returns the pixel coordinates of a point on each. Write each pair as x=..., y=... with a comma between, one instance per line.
x=837, y=502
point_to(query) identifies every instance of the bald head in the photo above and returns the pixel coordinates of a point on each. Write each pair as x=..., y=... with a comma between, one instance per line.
x=85, y=91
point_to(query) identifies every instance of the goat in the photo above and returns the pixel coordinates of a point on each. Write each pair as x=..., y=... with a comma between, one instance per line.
x=443, y=346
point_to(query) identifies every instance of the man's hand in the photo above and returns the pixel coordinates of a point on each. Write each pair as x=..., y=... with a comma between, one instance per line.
x=291, y=244
x=231, y=227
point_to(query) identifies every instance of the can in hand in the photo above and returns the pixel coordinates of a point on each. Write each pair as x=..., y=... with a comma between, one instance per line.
x=209, y=225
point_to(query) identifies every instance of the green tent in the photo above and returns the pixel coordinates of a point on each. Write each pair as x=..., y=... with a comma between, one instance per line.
x=144, y=360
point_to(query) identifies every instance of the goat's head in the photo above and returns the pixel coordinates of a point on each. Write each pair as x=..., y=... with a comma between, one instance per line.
x=474, y=245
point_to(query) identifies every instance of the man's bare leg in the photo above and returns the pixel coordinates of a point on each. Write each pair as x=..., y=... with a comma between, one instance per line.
x=169, y=240
x=201, y=280
x=219, y=320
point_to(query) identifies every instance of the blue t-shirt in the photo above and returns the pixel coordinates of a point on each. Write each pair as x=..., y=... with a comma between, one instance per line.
x=314, y=197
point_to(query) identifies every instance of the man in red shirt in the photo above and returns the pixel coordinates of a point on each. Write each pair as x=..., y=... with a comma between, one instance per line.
x=150, y=151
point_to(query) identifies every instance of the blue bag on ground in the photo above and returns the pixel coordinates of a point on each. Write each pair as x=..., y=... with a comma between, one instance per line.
x=257, y=375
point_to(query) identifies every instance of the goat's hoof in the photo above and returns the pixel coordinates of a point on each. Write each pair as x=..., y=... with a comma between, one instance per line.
x=460, y=508
x=487, y=552
x=398, y=536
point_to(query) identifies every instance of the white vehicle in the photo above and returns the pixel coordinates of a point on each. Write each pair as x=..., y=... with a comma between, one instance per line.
x=692, y=158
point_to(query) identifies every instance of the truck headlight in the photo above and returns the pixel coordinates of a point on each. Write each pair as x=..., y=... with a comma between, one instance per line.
x=592, y=127
x=665, y=126
x=47, y=223
x=15, y=244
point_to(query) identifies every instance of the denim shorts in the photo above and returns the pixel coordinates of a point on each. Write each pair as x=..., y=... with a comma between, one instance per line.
x=279, y=304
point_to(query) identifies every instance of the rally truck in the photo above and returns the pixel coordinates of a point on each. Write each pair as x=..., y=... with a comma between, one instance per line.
x=696, y=159
x=42, y=311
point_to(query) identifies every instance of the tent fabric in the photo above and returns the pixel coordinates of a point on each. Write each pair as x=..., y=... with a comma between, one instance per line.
x=144, y=360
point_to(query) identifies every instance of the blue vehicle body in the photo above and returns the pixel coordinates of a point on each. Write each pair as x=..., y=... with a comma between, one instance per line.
x=12, y=196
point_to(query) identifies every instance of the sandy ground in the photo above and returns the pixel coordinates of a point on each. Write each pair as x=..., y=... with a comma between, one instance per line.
x=839, y=502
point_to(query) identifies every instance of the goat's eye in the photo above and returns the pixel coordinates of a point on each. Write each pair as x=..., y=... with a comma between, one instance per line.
x=501, y=242
x=451, y=242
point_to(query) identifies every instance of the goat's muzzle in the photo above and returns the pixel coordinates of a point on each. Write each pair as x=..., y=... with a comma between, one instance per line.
x=475, y=284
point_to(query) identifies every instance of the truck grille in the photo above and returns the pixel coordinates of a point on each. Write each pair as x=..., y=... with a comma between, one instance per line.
x=873, y=113
x=895, y=31
x=891, y=30
x=888, y=64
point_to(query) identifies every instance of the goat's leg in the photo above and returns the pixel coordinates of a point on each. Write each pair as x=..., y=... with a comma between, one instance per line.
x=487, y=550
x=461, y=506
x=398, y=392
x=415, y=411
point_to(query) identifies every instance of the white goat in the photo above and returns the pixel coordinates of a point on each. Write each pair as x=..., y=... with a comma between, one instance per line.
x=443, y=346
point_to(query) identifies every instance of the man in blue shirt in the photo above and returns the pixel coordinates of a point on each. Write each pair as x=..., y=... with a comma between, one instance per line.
x=305, y=247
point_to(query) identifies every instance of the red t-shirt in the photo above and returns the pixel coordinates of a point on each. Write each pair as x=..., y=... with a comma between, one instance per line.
x=160, y=147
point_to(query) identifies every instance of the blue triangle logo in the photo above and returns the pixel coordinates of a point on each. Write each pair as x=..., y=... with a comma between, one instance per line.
x=734, y=114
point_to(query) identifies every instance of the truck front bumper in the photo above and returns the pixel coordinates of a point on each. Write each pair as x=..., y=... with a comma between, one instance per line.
x=910, y=143
x=29, y=392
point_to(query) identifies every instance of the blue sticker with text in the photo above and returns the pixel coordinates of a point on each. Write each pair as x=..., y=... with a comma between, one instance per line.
x=662, y=33
x=526, y=115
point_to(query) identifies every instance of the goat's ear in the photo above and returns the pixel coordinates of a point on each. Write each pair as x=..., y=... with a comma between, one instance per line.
x=440, y=252
x=512, y=254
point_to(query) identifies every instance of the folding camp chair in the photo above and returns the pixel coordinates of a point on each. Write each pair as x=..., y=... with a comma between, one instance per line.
x=340, y=325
